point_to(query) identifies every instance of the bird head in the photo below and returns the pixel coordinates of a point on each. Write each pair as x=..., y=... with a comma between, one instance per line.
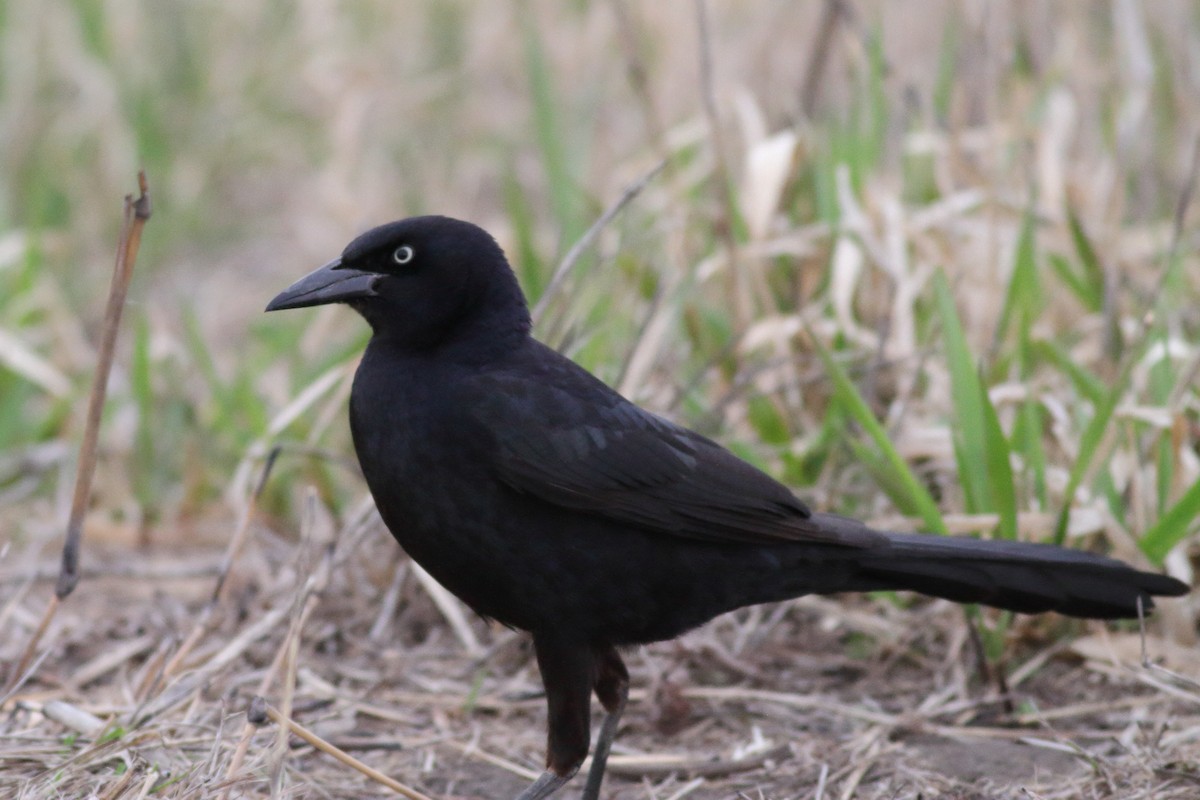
x=418, y=281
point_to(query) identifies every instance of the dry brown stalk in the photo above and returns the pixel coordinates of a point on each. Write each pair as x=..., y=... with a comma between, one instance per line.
x=136, y=213
x=260, y=710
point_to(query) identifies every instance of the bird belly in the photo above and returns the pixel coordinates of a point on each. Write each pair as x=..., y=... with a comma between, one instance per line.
x=529, y=563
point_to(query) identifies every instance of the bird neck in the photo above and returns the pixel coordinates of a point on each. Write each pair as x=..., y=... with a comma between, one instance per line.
x=488, y=326
x=492, y=323
x=486, y=338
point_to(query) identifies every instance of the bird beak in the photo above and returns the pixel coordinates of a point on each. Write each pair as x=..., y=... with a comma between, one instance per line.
x=332, y=283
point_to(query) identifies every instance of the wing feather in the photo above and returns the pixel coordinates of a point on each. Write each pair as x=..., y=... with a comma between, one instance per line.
x=570, y=440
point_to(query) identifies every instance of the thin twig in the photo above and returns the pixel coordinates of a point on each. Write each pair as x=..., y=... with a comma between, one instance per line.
x=239, y=537
x=22, y=677
x=589, y=236
x=259, y=710
x=496, y=761
x=820, y=793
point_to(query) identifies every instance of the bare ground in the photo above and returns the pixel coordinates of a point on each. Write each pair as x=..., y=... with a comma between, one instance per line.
x=818, y=698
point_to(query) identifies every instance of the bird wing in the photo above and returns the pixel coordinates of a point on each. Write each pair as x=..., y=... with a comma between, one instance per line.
x=563, y=436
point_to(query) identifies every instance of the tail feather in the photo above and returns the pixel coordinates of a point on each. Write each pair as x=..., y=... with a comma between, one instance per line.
x=1012, y=575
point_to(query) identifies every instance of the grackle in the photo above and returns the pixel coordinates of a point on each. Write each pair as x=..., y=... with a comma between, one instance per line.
x=547, y=501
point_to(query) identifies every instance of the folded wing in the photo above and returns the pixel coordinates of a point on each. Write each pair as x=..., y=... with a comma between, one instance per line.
x=570, y=440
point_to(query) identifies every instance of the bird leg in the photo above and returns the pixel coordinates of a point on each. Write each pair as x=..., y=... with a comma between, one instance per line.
x=547, y=784
x=568, y=673
x=612, y=689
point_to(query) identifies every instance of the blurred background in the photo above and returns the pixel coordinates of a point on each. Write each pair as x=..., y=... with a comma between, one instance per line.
x=931, y=263
x=273, y=133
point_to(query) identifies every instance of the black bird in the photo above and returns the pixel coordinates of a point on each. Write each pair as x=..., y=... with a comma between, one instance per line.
x=549, y=502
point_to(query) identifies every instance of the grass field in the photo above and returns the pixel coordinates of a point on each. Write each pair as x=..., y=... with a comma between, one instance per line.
x=935, y=265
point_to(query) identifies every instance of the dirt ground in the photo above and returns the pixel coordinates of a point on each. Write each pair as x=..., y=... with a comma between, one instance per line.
x=847, y=697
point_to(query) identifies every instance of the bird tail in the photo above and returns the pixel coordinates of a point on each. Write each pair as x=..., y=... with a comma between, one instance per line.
x=1012, y=575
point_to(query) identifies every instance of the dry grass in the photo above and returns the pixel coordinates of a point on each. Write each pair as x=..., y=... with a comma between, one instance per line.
x=813, y=188
x=859, y=697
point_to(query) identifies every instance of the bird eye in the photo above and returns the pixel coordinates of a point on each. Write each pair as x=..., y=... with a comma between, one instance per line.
x=403, y=254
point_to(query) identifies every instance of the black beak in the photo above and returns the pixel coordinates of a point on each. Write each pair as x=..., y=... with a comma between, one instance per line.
x=332, y=283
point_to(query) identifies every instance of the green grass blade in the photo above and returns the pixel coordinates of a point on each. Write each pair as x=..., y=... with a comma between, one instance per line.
x=1093, y=272
x=1173, y=526
x=1025, y=291
x=1086, y=383
x=1027, y=440
x=885, y=477
x=909, y=492
x=1089, y=446
x=565, y=199
x=981, y=449
x=966, y=391
x=529, y=266
x=1088, y=294
x=1003, y=494
x=1022, y=298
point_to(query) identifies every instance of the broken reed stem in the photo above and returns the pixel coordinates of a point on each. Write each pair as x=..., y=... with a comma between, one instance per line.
x=136, y=213
x=261, y=711
x=239, y=537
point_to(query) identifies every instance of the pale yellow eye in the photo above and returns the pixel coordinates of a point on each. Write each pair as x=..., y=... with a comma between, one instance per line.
x=403, y=254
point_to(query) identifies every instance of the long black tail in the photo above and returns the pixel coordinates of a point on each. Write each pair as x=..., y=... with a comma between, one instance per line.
x=1014, y=575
